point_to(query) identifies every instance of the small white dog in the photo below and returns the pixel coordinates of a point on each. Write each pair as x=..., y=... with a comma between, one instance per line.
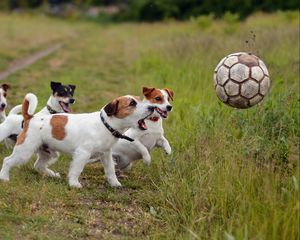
x=81, y=135
x=59, y=101
x=3, y=102
x=125, y=152
x=145, y=137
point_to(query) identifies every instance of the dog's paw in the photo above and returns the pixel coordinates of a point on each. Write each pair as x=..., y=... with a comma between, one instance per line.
x=168, y=150
x=4, y=177
x=75, y=184
x=56, y=175
x=147, y=159
x=114, y=183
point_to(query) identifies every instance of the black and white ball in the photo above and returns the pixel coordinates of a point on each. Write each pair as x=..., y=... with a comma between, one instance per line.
x=241, y=80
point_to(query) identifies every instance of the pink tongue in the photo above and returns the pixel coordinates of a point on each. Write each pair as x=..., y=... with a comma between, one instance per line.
x=65, y=108
x=142, y=125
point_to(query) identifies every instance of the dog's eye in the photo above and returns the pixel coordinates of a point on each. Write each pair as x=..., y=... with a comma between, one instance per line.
x=158, y=98
x=4, y=94
x=132, y=103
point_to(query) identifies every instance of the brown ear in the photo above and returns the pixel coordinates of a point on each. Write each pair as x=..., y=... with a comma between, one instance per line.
x=5, y=86
x=111, y=108
x=147, y=91
x=170, y=93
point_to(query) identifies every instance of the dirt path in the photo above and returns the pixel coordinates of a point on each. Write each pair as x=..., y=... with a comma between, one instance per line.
x=23, y=63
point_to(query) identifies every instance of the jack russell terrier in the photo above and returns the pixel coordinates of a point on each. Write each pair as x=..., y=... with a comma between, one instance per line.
x=124, y=152
x=81, y=135
x=3, y=103
x=59, y=101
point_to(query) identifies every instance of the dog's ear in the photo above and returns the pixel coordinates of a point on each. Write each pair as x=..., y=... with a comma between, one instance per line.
x=112, y=108
x=72, y=88
x=147, y=91
x=5, y=87
x=55, y=85
x=170, y=93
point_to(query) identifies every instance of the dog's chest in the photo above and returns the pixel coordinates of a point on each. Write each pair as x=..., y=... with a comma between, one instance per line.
x=149, y=139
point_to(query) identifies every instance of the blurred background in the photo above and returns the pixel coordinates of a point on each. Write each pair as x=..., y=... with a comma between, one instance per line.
x=147, y=10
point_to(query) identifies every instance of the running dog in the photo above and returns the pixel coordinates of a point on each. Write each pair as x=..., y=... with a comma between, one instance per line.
x=3, y=102
x=124, y=152
x=59, y=101
x=81, y=135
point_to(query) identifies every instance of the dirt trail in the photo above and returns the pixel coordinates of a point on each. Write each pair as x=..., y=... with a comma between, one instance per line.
x=24, y=62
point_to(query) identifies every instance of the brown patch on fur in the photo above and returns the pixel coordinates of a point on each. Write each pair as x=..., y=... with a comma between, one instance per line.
x=124, y=108
x=170, y=93
x=5, y=87
x=25, y=107
x=248, y=60
x=58, y=123
x=153, y=95
x=22, y=135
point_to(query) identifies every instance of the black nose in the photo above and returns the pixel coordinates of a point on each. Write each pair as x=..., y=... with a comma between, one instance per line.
x=72, y=100
x=151, y=108
x=169, y=108
x=3, y=105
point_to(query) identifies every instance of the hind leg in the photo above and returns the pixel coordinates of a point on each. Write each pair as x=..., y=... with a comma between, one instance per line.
x=21, y=154
x=44, y=160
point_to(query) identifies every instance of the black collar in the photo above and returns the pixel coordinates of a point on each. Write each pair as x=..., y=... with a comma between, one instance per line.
x=51, y=110
x=114, y=132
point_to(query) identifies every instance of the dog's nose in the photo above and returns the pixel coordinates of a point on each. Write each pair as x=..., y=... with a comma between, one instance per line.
x=151, y=108
x=72, y=100
x=169, y=108
x=3, y=105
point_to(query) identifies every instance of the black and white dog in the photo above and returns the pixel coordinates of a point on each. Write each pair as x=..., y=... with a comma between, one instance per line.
x=59, y=102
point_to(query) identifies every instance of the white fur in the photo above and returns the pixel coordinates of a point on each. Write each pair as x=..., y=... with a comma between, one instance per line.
x=85, y=136
x=2, y=101
x=125, y=152
x=32, y=99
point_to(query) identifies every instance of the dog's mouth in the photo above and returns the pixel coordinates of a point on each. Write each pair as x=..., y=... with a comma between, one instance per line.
x=163, y=114
x=65, y=106
x=141, y=123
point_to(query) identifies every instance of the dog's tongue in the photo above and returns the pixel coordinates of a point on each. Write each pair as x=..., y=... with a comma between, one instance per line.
x=65, y=107
x=142, y=124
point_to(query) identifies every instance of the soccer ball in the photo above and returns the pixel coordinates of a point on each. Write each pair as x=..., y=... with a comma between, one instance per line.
x=241, y=80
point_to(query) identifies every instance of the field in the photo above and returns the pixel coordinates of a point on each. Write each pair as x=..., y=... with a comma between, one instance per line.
x=233, y=174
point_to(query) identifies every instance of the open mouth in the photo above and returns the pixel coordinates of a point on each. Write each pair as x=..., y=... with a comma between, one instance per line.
x=141, y=123
x=163, y=114
x=65, y=106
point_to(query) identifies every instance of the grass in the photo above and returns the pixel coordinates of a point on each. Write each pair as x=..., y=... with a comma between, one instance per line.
x=233, y=174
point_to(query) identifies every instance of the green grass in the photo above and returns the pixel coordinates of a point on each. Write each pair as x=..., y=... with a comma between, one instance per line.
x=233, y=174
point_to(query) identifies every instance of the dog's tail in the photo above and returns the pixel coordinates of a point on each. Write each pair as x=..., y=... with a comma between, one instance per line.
x=15, y=110
x=29, y=105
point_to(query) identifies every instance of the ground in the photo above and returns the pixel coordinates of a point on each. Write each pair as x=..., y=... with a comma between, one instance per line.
x=233, y=174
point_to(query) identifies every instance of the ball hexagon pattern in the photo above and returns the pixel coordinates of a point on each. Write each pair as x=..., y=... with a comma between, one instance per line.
x=241, y=80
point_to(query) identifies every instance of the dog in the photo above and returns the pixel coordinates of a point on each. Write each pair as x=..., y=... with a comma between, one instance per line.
x=81, y=135
x=124, y=152
x=59, y=102
x=3, y=102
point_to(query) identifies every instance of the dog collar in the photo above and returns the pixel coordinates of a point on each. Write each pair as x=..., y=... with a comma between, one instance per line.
x=51, y=110
x=114, y=132
x=153, y=119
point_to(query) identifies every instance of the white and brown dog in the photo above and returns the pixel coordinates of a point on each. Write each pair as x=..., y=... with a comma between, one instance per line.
x=3, y=102
x=59, y=101
x=124, y=152
x=81, y=135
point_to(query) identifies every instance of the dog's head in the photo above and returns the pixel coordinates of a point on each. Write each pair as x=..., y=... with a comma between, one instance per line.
x=130, y=110
x=3, y=92
x=63, y=94
x=160, y=98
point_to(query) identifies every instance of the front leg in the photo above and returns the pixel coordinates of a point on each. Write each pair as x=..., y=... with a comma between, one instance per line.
x=143, y=151
x=109, y=169
x=164, y=143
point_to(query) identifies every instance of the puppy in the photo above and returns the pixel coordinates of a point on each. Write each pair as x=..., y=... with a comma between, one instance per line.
x=3, y=103
x=81, y=135
x=59, y=101
x=124, y=152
